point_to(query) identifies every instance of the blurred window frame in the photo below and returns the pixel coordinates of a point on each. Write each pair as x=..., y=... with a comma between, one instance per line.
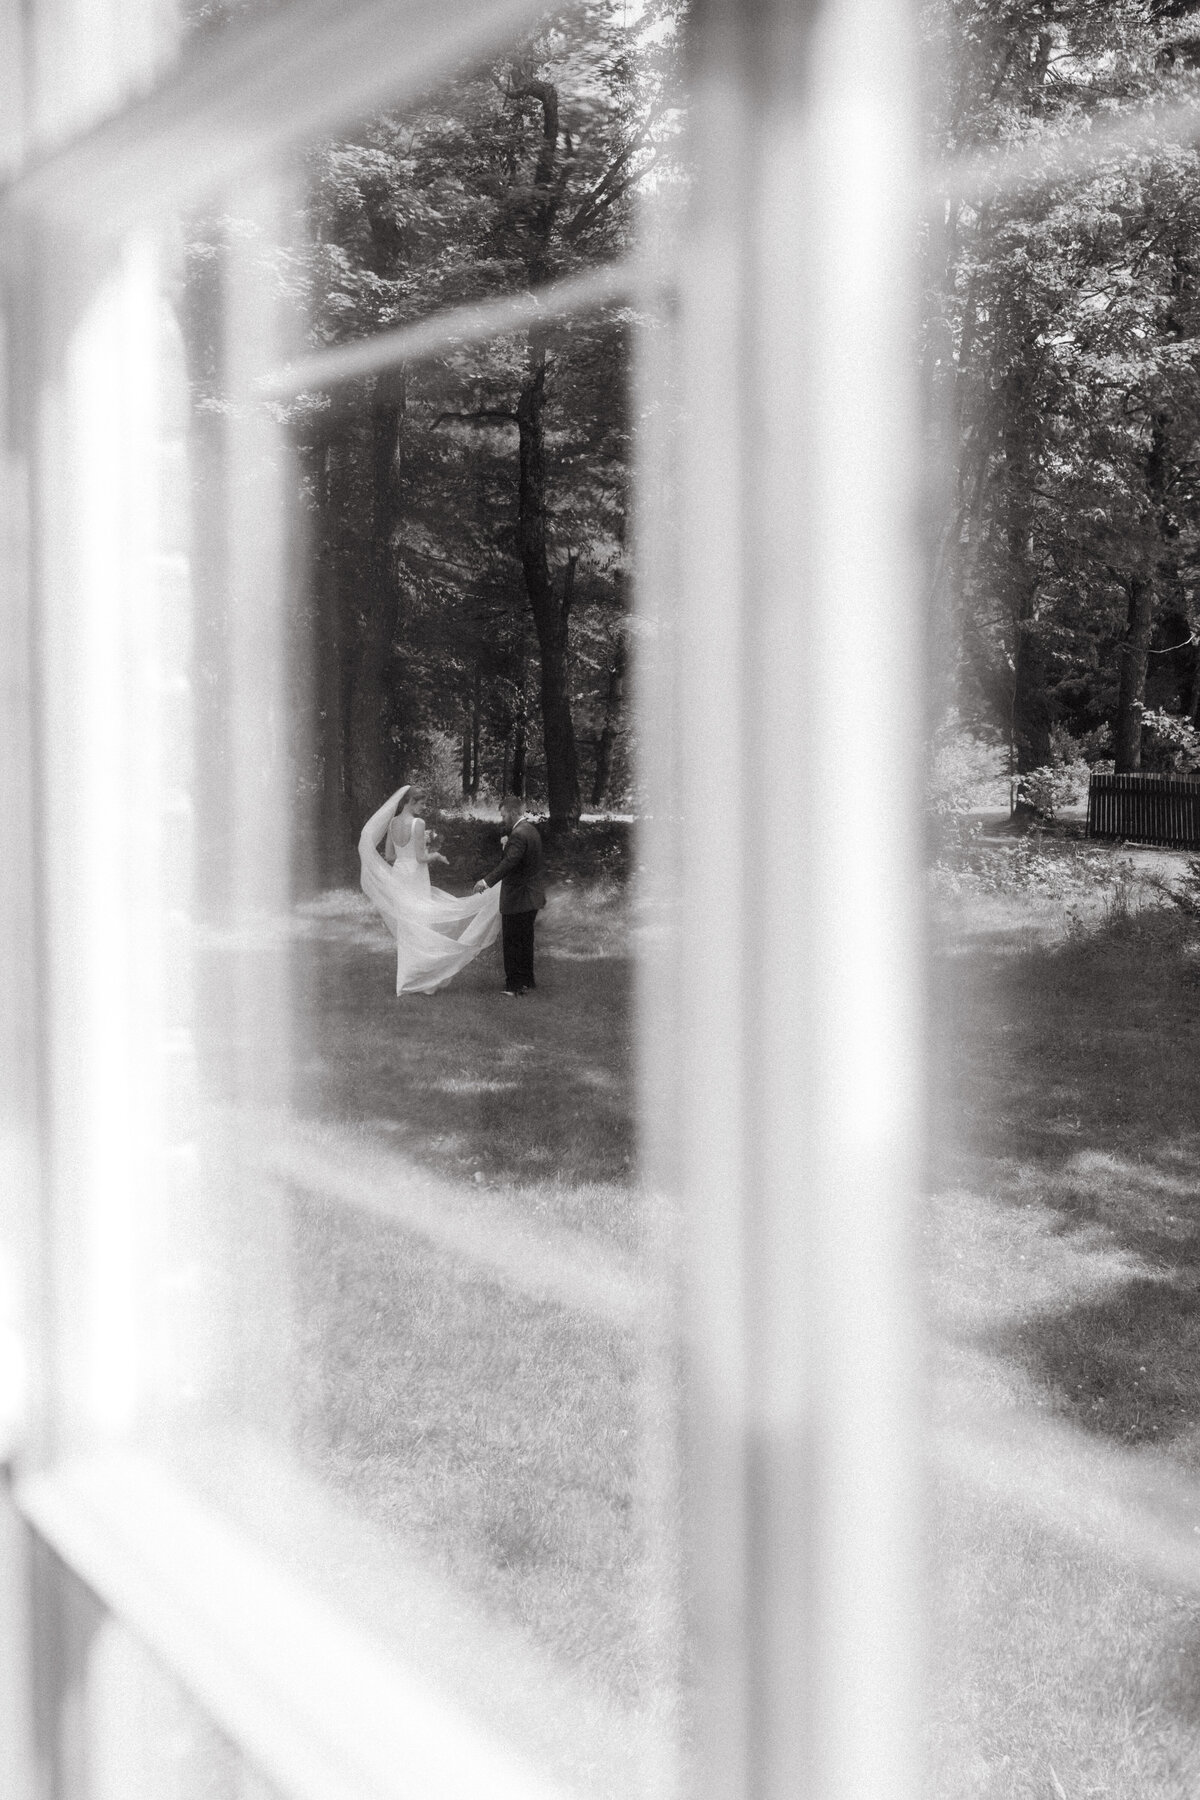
x=781, y=1039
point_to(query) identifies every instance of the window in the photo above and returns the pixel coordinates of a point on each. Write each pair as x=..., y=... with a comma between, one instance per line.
x=778, y=1016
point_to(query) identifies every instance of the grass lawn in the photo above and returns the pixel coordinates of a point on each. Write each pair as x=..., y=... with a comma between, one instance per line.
x=495, y=1432
x=533, y=1093
x=1065, y=1264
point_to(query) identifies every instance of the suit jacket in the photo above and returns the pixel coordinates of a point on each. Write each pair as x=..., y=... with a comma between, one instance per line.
x=519, y=870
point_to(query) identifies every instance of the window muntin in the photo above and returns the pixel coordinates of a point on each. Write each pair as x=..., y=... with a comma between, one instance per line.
x=376, y=1213
x=185, y=1334
x=719, y=316
x=1061, y=1521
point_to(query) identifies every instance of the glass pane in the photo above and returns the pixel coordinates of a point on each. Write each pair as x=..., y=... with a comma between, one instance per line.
x=396, y=1299
x=203, y=21
x=1060, y=292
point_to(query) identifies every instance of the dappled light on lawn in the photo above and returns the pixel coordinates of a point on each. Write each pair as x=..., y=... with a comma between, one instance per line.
x=465, y=1239
x=1064, y=1255
x=495, y=1432
x=473, y=1083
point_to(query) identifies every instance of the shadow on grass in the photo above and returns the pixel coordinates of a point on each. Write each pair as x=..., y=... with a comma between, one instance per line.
x=476, y=1085
x=492, y=1429
x=1068, y=1084
x=1126, y=1366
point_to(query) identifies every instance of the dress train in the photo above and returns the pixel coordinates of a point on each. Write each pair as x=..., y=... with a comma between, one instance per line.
x=436, y=933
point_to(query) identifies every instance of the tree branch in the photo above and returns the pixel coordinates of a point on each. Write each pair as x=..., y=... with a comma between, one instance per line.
x=614, y=194
x=598, y=197
x=545, y=185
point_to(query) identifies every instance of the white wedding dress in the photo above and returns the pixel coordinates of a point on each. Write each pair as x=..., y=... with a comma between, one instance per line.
x=436, y=933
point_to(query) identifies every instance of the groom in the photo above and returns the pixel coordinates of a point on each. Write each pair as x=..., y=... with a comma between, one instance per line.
x=519, y=873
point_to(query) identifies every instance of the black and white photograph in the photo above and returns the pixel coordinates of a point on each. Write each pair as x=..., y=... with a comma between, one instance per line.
x=600, y=900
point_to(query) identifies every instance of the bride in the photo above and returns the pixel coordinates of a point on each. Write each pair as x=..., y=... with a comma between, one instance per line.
x=436, y=933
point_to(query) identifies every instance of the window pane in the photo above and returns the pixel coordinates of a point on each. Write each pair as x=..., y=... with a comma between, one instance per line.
x=408, y=1284
x=1060, y=290
x=393, y=1285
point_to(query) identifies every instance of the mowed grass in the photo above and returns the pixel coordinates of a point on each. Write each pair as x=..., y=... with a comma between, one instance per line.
x=495, y=1432
x=498, y=1434
x=1065, y=1265
x=472, y=1083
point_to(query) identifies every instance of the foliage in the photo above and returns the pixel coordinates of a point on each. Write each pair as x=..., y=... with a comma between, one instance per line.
x=1183, y=893
x=1034, y=863
x=438, y=772
x=962, y=769
x=1062, y=781
x=467, y=512
x=1060, y=344
x=1087, y=750
x=1048, y=789
x=488, y=577
x=597, y=850
x=1170, y=744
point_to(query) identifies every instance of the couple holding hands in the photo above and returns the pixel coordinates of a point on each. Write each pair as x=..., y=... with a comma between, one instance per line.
x=437, y=933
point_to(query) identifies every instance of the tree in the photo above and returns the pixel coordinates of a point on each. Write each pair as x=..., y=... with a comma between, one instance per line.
x=491, y=480
x=1061, y=340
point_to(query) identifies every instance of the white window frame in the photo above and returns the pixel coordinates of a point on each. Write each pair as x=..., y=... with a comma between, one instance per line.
x=781, y=1035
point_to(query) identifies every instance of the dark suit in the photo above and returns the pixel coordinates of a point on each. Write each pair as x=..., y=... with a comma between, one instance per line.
x=522, y=894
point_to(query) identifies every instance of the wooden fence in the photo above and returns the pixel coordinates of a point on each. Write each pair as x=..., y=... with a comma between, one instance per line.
x=1147, y=809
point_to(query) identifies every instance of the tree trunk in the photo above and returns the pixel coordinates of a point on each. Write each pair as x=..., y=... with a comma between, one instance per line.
x=1135, y=654
x=476, y=727
x=328, y=677
x=516, y=769
x=1032, y=714
x=465, y=760
x=550, y=614
x=1139, y=625
x=608, y=730
x=371, y=760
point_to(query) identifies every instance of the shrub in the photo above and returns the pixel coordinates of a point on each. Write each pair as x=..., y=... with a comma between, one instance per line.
x=1051, y=787
x=1184, y=892
x=1045, y=868
x=599, y=849
x=963, y=772
x=1090, y=747
x=1170, y=744
x=1064, y=779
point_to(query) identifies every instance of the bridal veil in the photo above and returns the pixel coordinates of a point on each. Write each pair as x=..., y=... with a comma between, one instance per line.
x=436, y=933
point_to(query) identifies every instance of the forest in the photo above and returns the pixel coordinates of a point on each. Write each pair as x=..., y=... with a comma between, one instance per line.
x=463, y=562
x=1059, y=353
x=464, y=582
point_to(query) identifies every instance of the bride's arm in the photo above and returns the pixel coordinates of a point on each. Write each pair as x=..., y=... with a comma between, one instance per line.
x=379, y=821
x=418, y=842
